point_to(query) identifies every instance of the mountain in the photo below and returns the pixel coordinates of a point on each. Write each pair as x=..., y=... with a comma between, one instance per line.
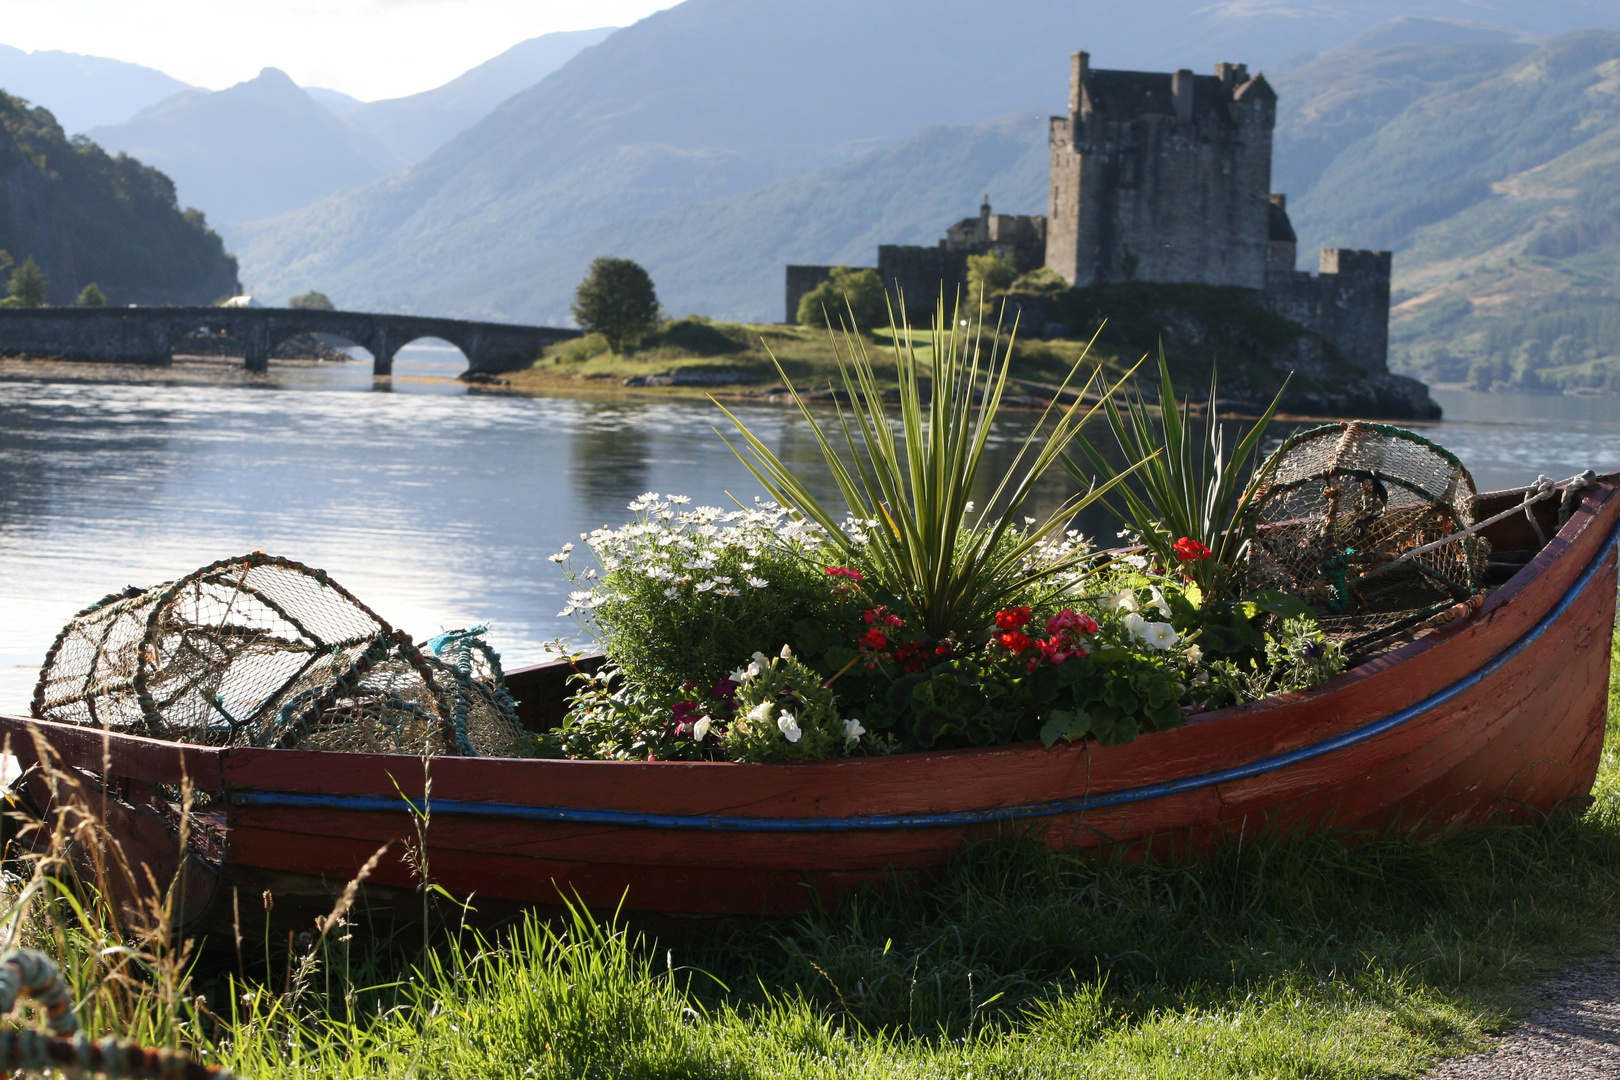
x=415, y=126
x=87, y=217
x=1490, y=168
x=83, y=92
x=253, y=150
x=334, y=101
x=714, y=98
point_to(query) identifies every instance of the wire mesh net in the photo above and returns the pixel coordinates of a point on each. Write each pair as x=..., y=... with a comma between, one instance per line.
x=263, y=651
x=1365, y=523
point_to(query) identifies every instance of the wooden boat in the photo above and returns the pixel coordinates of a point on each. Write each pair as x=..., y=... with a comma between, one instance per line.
x=1498, y=712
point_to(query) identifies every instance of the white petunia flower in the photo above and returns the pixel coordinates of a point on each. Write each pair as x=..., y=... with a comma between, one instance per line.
x=789, y=727
x=1195, y=655
x=761, y=713
x=1124, y=600
x=1135, y=625
x=853, y=730
x=1137, y=561
x=787, y=653
x=701, y=728
x=1158, y=601
x=762, y=660
x=1160, y=635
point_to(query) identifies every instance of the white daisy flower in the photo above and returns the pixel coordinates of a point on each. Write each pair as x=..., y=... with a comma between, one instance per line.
x=672, y=592
x=704, y=586
x=1137, y=561
x=757, y=582
x=726, y=590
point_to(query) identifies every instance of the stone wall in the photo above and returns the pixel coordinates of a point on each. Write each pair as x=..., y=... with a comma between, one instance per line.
x=1346, y=301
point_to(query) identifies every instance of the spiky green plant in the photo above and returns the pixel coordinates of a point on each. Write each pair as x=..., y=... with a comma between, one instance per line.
x=948, y=567
x=1187, y=487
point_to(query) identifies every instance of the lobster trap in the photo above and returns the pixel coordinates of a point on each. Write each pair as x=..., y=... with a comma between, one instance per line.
x=1369, y=525
x=263, y=651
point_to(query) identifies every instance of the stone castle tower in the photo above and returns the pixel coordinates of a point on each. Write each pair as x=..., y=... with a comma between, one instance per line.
x=1162, y=177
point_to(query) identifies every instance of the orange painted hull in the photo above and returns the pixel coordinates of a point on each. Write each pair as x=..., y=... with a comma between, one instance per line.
x=1498, y=713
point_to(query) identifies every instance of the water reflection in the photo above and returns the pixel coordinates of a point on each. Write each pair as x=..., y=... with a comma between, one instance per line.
x=438, y=507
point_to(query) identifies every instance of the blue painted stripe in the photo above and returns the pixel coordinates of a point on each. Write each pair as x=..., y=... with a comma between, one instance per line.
x=722, y=823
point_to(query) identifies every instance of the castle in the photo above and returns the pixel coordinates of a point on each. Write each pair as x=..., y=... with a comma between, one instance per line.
x=1161, y=177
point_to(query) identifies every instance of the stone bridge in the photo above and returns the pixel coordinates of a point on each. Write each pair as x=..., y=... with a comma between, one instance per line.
x=149, y=335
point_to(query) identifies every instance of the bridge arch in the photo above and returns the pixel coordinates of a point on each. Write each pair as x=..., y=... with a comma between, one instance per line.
x=431, y=357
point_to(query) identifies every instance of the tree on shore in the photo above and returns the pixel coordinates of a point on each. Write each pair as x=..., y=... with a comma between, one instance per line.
x=988, y=276
x=616, y=300
x=312, y=301
x=28, y=284
x=846, y=292
x=92, y=296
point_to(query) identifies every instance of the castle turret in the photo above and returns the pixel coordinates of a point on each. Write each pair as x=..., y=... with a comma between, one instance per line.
x=1162, y=177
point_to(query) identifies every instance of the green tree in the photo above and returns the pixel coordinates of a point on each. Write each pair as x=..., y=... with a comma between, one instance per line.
x=848, y=291
x=990, y=274
x=28, y=284
x=92, y=296
x=616, y=300
x=312, y=301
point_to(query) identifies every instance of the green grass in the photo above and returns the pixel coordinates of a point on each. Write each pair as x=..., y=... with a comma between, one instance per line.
x=1272, y=959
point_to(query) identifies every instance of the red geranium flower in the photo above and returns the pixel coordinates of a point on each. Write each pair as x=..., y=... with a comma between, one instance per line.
x=1187, y=549
x=844, y=572
x=1013, y=641
x=1012, y=618
x=874, y=639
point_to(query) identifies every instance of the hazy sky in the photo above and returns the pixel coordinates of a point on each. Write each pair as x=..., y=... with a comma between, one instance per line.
x=369, y=48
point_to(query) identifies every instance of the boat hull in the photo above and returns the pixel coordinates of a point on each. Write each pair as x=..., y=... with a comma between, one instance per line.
x=1498, y=714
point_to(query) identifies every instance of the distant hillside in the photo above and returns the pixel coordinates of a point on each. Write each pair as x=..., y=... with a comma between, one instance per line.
x=83, y=92
x=724, y=258
x=1493, y=171
x=714, y=98
x=88, y=217
x=254, y=150
x=415, y=126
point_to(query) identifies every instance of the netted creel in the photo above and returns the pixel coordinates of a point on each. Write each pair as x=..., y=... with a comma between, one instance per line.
x=1366, y=523
x=263, y=651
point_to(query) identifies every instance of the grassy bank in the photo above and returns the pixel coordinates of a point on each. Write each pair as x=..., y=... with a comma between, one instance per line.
x=1273, y=959
x=701, y=357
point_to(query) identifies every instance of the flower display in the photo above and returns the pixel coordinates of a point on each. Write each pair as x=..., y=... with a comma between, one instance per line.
x=1109, y=650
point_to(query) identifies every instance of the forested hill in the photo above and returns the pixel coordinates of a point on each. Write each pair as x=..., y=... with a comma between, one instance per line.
x=86, y=216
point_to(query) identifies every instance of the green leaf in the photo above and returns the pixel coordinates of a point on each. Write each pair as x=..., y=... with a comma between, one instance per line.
x=1071, y=725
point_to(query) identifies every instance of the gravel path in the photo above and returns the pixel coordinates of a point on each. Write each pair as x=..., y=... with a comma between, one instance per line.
x=1574, y=1033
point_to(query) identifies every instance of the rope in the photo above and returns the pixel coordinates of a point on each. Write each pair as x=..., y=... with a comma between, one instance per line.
x=26, y=973
x=1542, y=489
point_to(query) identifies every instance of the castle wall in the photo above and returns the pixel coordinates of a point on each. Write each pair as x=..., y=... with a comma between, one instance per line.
x=1161, y=177
x=1346, y=301
x=921, y=275
x=800, y=280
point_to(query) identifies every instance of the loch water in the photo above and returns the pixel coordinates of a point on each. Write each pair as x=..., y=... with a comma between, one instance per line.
x=436, y=506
